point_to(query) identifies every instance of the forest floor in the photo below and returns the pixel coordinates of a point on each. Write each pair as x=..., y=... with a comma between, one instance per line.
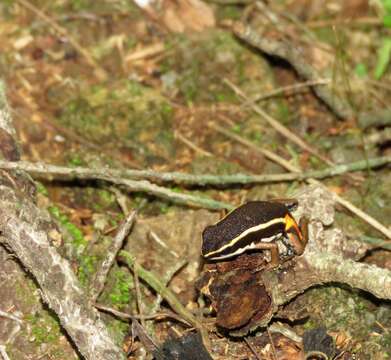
x=179, y=87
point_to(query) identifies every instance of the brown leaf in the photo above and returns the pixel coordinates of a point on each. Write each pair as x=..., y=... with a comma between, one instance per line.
x=193, y=15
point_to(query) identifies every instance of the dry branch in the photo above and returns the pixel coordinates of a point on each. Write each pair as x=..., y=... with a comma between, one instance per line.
x=53, y=172
x=294, y=57
x=292, y=168
x=155, y=283
x=291, y=54
x=63, y=173
x=329, y=256
x=101, y=275
x=26, y=230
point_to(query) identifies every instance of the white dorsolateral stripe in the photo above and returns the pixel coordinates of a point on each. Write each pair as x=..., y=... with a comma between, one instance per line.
x=245, y=233
x=253, y=245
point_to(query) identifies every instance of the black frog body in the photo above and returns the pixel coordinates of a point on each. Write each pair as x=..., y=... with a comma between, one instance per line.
x=256, y=224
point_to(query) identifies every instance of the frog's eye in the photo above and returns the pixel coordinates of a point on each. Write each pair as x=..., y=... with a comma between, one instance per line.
x=294, y=234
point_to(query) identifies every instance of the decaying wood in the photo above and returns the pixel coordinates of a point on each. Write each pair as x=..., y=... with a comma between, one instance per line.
x=26, y=231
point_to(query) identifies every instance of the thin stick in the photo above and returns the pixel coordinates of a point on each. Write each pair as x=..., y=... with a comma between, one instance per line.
x=10, y=316
x=268, y=154
x=161, y=289
x=283, y=130
x=100, y=72
x=286, y=90
x=191, y=145
x=288, y=166
x=376, y=243
x=54, y=172
x=130, y=185
x=289, y=53
x=138, y=292
x=251, y=347
x=272, y=344
x=3, y=353
x=364, y=21
x=100, y=277
x=126, y=316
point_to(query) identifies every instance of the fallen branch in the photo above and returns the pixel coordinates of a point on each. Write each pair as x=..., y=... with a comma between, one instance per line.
x=295, y=58
x=101, y=275
x=24, y=230
x=64, y=173
x=292, y=168
x=288, y=90
x=10, y=316
x=54, y=172
x=161, y=289
x=329, y=256
x=280, y=128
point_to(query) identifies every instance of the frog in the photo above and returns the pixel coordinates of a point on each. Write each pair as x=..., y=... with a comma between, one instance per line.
x=257, y=225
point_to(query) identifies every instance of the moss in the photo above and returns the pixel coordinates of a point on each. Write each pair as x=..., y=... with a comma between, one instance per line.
x=86, y=262
x=118, y=329
x=76, y=160
x=78, y=239
x=237, y=128
x=41, y=189
x=256, y=136
x=283, y=112
x=340, y=309
x=44, y=327
x=232, y=12
x=119, y=294
x=87, y=267
x=107, y=198
x=128, y=116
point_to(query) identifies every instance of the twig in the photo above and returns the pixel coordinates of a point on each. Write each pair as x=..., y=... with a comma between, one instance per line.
x=364, y=21
x=283, y=329
x=3, y=353
x=288, y=166
x=100, y=72
x=376, y=243
x=251, y=347
x=334, y=268
x=271, y=344
x=191, y=145
x=379, y=137
x=138, y=292
x=24, y=230
x=275, y=124
x=50, y=172
x=289, y=53
x=101, y=275
x=267, y=153
x=10, y=316
x=161, y=289
x=130, y=185
x=145, y=52
x=285, y=90
x=126, y=316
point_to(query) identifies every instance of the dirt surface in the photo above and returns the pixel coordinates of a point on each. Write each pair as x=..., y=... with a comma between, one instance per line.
x=109, y=84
